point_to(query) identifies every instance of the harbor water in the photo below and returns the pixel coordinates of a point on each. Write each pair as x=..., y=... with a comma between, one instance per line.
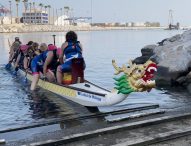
x=19, y=107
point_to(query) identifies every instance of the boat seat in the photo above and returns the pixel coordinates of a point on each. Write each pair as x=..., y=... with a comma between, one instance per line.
x=77, y=70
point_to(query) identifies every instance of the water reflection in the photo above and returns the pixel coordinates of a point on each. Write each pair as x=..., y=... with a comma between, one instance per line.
x=41, y=107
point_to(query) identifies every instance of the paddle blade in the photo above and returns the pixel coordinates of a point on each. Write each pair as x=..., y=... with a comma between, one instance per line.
x=25, y=80
x=8, y=66
x=14, y=74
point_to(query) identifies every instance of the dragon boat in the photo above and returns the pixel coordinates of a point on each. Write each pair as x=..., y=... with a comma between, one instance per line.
x=134, y=78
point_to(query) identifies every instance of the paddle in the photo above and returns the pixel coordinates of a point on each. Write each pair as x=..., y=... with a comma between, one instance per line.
x=25, y=77
x=26, y=72
x=8, y=65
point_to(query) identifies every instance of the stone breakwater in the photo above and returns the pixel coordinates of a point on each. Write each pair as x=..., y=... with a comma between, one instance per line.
x=24, y=28
x=173, y=56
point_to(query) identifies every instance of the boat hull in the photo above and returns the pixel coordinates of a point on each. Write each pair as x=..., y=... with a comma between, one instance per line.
x=86, y=94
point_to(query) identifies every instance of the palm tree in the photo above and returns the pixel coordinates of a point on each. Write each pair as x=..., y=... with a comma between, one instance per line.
x=53, y=16
x=66, y=9
x=33, y=5
x=10, y=5
x=41, y=6
x=34, y=12
x=17, y=5
x=57, y=16
x=25, y=7
x=49, y=13
x=61, y=16
x=30, y=12
x=45, y=7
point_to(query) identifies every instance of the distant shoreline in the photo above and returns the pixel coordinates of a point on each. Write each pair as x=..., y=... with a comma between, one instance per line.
x=22, y=28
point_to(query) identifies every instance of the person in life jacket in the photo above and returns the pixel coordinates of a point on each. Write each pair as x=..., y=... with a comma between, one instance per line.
x=21, y=55
x=20, y=58
x=32, y=51
x=44, y=64
x=69, y=50
x=14, y=51
x=51, y=63
x=17, y=40
x=37, y=64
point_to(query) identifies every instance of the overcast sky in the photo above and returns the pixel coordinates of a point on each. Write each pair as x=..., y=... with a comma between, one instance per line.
x=123, y=10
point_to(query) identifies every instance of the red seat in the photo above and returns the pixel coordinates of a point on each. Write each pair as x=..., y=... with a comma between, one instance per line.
x=77, y=70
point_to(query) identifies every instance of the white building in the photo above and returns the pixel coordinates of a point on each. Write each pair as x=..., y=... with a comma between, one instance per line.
x=60, y=21
x=35, y=16
x=83, y=24
x=139, y=24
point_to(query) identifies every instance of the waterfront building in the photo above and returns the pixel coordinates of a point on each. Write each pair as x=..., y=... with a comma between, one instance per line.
x=35, y=16
x=139, y=24
x=62, y=21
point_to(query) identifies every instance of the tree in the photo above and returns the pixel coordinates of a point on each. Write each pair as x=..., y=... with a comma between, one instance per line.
x=61, y=16
x=30, y=12
x=66, y=9
x=17, y=6
x=49, y=6
x=45, y=8
x=34, y=12
x=25, y=7
x=41, y=6
x=10, y=4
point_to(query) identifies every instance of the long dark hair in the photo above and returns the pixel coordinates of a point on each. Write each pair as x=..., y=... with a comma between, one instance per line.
x=71, y=36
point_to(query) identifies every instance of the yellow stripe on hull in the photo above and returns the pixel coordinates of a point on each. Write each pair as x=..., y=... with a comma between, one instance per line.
x=55, y=88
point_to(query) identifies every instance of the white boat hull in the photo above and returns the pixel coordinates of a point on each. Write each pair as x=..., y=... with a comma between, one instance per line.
x=86, y=94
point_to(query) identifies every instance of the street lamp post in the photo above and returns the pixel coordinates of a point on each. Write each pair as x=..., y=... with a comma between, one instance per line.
x=54, y=38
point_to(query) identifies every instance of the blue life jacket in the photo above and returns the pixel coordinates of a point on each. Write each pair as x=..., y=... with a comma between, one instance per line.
x=73, y=50
x=40, y=59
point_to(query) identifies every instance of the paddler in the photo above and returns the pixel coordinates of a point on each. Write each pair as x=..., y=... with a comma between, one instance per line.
x=14, y=51
x=45, y=64
x=71, y=49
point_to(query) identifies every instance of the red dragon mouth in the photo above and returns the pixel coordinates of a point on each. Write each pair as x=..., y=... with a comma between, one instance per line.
x=149, y=72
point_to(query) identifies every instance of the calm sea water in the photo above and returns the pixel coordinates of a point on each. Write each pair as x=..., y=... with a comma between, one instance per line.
x=19, y=107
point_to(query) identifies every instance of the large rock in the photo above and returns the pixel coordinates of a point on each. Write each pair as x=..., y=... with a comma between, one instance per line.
x=173, y=57
x=146, y=52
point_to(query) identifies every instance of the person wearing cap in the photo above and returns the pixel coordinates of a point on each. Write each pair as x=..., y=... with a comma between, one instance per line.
x=17, y=40
x=21, y=61
x=20, y=58
x=14, y=47
x=14, y=52
x=32, y=51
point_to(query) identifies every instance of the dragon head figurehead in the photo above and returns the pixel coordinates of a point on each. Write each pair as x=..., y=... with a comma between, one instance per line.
x=136, y=78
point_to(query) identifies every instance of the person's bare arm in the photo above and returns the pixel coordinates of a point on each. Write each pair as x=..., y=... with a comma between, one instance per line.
x=61, y=55
x=18, y=59
x=47, y=62
x=81, y=47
